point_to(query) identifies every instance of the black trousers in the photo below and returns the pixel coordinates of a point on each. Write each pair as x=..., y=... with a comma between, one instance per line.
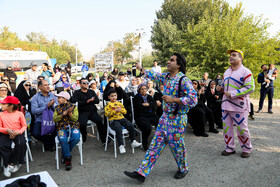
x=12, y=156
x=269, y=91
x=145, y=125
x=196, y=120
x=217, y=112
x=198, y=117
x=95, y=117
x=47, y=140
x=117, y=125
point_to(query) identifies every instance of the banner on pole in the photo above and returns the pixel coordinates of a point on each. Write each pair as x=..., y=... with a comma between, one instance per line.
x=104, y=62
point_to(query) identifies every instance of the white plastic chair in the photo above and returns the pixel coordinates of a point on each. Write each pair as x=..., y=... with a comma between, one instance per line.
x=112, y=134
x=133, y=120
x=57, y=146
x=27, y=154
x=91, y=124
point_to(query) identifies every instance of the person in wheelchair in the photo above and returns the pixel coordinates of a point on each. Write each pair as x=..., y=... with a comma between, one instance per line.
x=66, y=114
x=115, y=112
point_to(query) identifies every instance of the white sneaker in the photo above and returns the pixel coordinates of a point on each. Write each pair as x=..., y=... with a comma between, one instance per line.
x=122, y=149
x=15, y=168
x=7, y=172
x=135, y=144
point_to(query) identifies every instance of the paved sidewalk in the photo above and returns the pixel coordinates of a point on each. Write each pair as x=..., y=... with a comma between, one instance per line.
x=207, y=166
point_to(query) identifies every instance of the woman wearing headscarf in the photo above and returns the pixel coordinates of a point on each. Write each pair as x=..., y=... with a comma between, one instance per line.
x=56, y=68
x=214, y=102
x=144, y=112
x=4, y=90
x=200, y=114
x=65, y=83
x=115, y=73
x=131, y=89
x=6, y=80
x=12, y=77
x=24, y=93
x=97, y=79
x=89, y=77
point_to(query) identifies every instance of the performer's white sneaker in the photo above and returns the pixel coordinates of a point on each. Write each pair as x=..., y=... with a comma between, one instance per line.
x=122, y=149
x=135, y=144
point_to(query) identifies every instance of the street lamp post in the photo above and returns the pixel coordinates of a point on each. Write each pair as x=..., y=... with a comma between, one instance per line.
x=76, y=53
x=141, y=33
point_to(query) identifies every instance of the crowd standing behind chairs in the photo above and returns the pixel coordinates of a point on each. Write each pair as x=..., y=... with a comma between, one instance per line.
x=76, y=103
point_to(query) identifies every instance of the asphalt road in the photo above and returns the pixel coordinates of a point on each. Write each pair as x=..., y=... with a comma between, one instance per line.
x=207, y=166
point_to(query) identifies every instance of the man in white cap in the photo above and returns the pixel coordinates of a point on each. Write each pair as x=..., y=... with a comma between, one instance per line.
x=32, y=74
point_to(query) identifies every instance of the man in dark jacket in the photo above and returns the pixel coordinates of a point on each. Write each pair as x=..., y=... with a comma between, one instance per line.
x=87, y=110
x=269, y=90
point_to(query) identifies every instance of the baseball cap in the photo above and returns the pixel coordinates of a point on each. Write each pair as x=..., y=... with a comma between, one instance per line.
x=63, y=94
x=10, y=100
x=91, y=82
x=234, y=50
x=33, y=64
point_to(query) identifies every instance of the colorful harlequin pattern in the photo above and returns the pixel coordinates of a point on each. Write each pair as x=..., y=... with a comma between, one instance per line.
x=169, y=131
x=243, y=134
x=188, y=97
x=171, y=128
x=240, y=83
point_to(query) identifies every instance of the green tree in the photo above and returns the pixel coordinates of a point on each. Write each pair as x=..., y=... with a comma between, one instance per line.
x=206, y=42
x=55, y=51
x=165, y=36
x=203, y=30
x=71, y=50
x=123, y=48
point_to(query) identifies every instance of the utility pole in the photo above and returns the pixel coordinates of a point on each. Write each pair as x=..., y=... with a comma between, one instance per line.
x=141, y=33
x=76, y=53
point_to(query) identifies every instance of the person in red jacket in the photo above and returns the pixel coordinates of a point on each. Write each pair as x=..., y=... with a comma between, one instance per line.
x=12, y=127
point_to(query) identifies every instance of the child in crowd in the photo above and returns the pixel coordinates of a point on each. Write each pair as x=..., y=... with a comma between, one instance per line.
x=12, y=127
x=115, y=110
x=66, y=115
x=271, y=75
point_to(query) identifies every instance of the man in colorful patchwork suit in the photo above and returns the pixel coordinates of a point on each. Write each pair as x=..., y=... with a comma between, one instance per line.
x=172, y=123
x=238, y=83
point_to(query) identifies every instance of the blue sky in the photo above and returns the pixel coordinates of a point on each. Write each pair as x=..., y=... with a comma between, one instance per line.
x=93, y=23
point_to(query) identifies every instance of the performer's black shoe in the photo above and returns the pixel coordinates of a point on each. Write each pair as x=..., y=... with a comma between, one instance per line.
x=214, y=130
x=225, y=153
x=180, y=175
x=135, y=175
x=204, y=134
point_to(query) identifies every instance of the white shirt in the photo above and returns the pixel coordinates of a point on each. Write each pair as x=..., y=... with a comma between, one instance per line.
x=156, y=69
x=122, y=84
x=31, y=76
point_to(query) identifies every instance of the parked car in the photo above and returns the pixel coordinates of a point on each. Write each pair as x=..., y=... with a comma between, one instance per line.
x=76, y=69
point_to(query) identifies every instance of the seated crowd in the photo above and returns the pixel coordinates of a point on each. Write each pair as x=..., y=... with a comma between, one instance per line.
x=73, y=104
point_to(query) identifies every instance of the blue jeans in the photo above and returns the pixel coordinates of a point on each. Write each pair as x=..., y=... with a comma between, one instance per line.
x=66, y=145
